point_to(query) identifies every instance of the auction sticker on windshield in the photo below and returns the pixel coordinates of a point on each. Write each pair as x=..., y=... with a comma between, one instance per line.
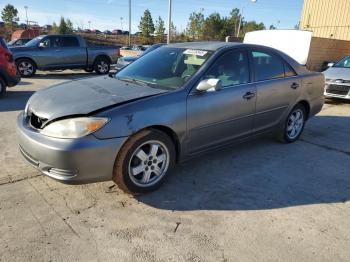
x=195, y=52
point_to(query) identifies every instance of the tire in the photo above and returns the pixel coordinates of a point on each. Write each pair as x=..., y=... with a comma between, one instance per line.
x=89, y=69
x=136, y=167
x=2, y=88
x=293, y=129
x=102, y=66
x=26, y=67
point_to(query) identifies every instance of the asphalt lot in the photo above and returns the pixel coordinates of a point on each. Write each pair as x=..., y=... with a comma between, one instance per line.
x=260, y=201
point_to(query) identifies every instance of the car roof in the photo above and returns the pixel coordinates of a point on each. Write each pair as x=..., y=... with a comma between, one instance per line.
x=210, y=45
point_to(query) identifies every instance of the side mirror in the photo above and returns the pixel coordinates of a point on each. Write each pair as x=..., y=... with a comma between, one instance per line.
x=41, y=45
x=330, y=64
x=209, y=85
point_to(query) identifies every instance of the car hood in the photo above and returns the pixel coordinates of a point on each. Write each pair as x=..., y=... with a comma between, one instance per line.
x=337, y=73
x=84, y=96
x=15, y=49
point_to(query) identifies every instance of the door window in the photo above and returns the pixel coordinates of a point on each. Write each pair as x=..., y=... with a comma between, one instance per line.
x=267, y=66
x=52, y=41
x=231, y=68
x=69, y=41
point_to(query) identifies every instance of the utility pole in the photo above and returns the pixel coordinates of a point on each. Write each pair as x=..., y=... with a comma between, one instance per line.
x=121, y=23
x=241, y=17
x=26, y=8
x=129, y=40
x=89, y=24
x=169, y=21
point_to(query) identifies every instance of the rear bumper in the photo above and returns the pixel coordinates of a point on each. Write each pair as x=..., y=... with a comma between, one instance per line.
x=74, y=161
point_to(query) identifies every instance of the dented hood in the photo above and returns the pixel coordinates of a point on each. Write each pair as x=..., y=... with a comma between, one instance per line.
x=80, y=97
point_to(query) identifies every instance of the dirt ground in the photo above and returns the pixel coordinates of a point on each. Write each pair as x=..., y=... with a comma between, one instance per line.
x=259, y=201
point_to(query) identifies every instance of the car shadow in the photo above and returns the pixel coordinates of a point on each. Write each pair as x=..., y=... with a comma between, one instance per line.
x=336, y=101
x=14, y=100
x=261, y=174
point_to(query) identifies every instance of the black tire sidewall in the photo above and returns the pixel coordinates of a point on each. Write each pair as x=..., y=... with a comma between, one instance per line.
x=98, y=61
x=2, y=88
x=285, y=135
x=28, y=61
x=153, y=135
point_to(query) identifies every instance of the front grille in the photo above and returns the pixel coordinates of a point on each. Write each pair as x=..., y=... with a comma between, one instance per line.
x=36, y=121
x=338, y=89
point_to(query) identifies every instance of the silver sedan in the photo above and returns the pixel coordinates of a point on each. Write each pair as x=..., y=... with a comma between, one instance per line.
x=169, y=105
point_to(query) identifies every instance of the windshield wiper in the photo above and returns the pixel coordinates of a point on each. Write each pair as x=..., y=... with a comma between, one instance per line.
x=138, y=81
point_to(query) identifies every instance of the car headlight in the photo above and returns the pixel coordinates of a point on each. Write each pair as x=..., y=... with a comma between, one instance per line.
x=74, y=127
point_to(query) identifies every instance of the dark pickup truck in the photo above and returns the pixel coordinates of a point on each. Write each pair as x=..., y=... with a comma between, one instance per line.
x=58, y=52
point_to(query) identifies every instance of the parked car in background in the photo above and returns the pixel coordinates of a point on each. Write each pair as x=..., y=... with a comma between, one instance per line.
x=125, y=60
x=52, y=52
x=338, y=79
x=107, y=32
x=8, y=71
x=18, y=42
x=168, y=106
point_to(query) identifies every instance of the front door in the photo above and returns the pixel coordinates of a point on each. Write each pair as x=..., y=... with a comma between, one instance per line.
x=48, y=52
x=215, y=117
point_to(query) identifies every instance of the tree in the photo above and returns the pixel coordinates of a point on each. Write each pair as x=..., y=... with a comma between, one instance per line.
x=213, y=27
x=252, y=26
x=9, y=15
x=54, y=28
x=160, y=29
x=195, y=25
x=272, y=27
x=146, y=25
x=65, y=26
x=173, y=31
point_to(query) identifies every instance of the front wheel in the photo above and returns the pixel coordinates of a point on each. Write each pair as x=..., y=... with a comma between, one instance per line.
x=144, y=161
x=102, y=66
x=26, y=67
x=294, y=125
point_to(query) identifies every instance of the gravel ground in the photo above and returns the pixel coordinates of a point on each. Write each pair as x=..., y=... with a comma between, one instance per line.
x=259, y=201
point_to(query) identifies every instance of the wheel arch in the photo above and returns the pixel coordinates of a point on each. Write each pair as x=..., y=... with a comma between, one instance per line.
x=27, y=58
x=169, y=132
x=307, y=107
x=102, y=56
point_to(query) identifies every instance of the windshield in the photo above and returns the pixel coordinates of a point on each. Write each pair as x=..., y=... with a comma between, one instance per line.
x=344, y=63
x=165, y=67
x=35, y=41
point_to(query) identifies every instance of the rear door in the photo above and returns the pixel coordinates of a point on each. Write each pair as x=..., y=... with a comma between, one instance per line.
x=72, y=54
x=216, y=117
x=277, y=88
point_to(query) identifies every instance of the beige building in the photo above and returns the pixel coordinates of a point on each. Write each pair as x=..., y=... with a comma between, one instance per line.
x=327, y=18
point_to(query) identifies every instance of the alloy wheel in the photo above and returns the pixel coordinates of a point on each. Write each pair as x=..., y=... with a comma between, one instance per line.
x=295, y=124
x=148, y=163
x=26, y=68
x=102, y=67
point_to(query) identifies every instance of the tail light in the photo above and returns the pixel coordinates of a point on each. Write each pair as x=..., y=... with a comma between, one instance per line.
x=9, y=57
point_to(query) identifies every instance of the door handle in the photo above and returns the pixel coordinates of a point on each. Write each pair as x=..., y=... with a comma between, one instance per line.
x=294, y=85
x=248, y=95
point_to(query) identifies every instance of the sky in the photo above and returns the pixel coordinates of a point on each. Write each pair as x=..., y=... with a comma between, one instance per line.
x=113, y=14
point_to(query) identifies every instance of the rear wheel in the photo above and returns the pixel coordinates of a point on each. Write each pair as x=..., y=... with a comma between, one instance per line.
x=144, y=161
x=102, y=65
x=2, y=88
x=294, y=125
x=26, y=67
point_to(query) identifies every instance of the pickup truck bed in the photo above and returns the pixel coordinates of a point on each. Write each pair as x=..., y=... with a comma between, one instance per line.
x=57, y=52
